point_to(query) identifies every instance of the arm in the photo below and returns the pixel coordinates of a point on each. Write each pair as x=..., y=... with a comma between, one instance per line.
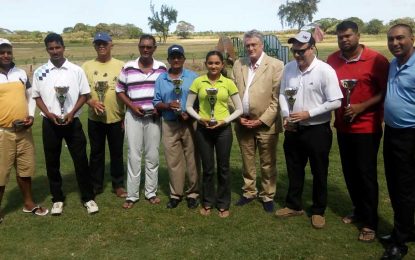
x=323, y=108
x=31, y=104
x=41, y=105
x=96, y=105
x=236, y=100
x=136, y=110
x=79, y=103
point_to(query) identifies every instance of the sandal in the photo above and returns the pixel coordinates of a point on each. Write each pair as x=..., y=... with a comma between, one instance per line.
x=154, y=200
x=224, y=213
x=37, y=210
x=205, y=211
x=367, y=235
x=128, y=204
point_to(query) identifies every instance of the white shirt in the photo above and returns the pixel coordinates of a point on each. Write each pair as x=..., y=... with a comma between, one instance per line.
x=47, y=76
x=251, y=74
x=316, y=86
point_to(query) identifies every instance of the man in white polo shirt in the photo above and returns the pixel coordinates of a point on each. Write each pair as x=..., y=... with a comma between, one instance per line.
x=308, y=134
x=60, y=73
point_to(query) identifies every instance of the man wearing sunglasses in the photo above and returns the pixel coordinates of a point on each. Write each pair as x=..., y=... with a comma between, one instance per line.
x=308, y=134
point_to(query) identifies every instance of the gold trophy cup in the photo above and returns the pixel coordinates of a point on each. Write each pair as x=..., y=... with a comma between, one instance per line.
x=61, y=94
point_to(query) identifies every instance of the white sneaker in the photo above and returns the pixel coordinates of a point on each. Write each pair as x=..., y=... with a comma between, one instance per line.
x=57, y=208
x=91, y=207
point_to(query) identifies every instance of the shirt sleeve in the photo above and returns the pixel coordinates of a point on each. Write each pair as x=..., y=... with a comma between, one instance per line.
x=157, y=91
x=122, y=81
x=83, y=83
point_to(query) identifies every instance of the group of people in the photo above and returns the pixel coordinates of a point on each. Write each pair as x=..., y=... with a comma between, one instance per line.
x=192, y=117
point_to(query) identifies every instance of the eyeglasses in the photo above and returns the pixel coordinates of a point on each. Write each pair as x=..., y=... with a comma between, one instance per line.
x=147, y=47
x=300, y=52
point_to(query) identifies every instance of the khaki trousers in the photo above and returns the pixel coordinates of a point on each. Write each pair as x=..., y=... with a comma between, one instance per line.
x=179, y=150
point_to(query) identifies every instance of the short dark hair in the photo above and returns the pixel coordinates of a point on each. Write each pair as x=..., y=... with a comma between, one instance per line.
x=404, y=25
x=147, y=37
x=345, y=25
x=53, y=37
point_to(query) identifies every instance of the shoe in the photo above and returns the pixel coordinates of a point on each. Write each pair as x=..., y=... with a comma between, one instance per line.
x=192, y=203
x=367, y=235
x=318, y=221
x=243, y=201
x=268, y=206
x=57, y=208
x=287, y=212
x=349, y=219
x=37, y=210
x=395, y=252
x=172, y=203
x=91, y=207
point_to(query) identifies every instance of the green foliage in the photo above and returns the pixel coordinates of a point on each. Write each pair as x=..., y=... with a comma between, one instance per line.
x=405, y=20
x=184, y=29
x=297, y=13
x=161, y=21
x=327, y=24
x=374, y=26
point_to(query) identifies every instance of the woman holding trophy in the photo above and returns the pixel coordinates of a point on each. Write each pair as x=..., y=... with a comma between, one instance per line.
x=214, y=133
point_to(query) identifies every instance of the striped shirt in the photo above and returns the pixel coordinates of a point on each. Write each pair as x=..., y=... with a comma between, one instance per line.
x=137, y=85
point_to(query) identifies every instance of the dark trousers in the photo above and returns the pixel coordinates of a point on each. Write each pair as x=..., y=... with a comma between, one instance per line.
x=98, y=132
x=209, y=142
x=52, y=146
x=399, y=160
x=358, y=154
x=308, y=143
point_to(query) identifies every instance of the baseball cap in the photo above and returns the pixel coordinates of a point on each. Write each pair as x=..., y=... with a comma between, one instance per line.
x=302, y=37
x=102, y=36
x=5, y=41
x=175, y=48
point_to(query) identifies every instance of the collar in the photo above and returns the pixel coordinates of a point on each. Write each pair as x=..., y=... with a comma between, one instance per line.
x=12, y=66
x=257, y=63
x=156, y=65
x=410, y=62
x=310, y=67
x=206, y=79
x=362, y=55
x=167, y=76
x=65, y=65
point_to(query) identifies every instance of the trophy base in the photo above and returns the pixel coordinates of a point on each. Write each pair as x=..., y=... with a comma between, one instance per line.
x=292, y=125
x=61, y=120
x=212, y=122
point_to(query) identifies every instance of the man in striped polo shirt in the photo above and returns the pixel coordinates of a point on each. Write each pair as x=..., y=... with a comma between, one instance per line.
x=142, y=122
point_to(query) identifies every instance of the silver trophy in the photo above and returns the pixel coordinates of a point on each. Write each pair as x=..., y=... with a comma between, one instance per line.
x=348, y=84
x=178, y=92
x=101, y=88
x=61, y=93
x=212, y=98
x=290, y=96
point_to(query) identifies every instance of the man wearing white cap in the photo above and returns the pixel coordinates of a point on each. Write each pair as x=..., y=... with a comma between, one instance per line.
x=17, y=109
x=308, y=134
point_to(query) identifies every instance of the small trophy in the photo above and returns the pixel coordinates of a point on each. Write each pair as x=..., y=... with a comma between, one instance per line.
x=290, y=96
x=348, y=84
x=61, y=92
x=101, y=88
x=18, y=125
x=178, y=92
x=212, y=97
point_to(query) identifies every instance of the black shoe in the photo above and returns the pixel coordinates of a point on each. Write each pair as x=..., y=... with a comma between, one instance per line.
x=192, y=203
x=173, y=203
x=243, y=201
x=268, y=206
x=395, y=252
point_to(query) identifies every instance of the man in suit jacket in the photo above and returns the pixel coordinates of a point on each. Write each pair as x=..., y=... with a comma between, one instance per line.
x=257, y=77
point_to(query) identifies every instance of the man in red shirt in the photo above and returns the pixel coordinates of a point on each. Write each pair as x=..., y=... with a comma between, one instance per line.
x=359, y=125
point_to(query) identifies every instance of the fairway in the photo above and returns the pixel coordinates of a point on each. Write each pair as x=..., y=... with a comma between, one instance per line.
x=154, y=232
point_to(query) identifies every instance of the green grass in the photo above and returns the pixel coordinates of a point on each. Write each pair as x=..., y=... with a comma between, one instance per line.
x=154, y=232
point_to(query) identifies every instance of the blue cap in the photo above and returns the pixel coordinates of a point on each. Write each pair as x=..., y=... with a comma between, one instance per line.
x=175, y=48
x=102, y=36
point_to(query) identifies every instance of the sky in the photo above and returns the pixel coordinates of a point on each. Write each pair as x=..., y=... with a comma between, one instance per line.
x=205, y=15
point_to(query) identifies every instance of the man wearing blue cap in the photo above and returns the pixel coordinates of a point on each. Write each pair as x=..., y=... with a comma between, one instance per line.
x=178, y=129
x=105, y=117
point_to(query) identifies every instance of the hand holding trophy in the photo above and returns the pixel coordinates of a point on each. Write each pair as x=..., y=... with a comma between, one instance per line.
x=348, y=84
x=178, y=93
x=101, y=88
x=61, y=93
x=290, y=96
x=212, y=98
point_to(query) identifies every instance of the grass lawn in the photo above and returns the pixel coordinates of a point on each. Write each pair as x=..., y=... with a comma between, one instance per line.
x=154, y=232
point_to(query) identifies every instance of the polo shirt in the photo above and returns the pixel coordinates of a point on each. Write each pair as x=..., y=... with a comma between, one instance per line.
x=47, y=76
x=226, y=88
x=371, y=71
x=316, y=85
x=13, y=102
x=400, y=95
x=164, y=92
x=137, y=85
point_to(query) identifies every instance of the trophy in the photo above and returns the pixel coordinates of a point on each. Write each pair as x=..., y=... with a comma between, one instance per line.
x=18, y=124
x=61, y=92
x=212, y=97
x=101, y=88
x=348, y=84
x=178, y=92
x=290, y=96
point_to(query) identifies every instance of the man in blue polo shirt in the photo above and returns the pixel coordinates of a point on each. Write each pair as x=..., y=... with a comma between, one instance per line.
x=178, y=128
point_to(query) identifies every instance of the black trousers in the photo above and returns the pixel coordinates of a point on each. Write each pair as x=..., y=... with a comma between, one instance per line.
x=210, y=142
x=98, y=132
x=308, y=143
x=358, y=154
x=52, y=146
x=399, y=160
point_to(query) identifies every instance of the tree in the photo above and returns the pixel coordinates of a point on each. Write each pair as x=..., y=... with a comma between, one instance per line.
x=161, y=21
x=374, y=26
x=184, y=29
x=406, y=20
x=297, y=13
x=327, y=23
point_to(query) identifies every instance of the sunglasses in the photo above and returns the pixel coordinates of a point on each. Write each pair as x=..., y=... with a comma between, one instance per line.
x=146, y=47
x=300, y=52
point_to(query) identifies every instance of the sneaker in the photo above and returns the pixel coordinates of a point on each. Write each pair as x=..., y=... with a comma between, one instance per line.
x=287, y=212
x=318, y=221
x=173, y=203
x=268, y=206
x=192, y=203
x=57, y=208
x=243, y=201
x=91, y=207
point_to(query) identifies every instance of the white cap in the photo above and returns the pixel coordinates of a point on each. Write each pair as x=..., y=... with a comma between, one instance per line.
x=5, y=41
x=302, y=37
